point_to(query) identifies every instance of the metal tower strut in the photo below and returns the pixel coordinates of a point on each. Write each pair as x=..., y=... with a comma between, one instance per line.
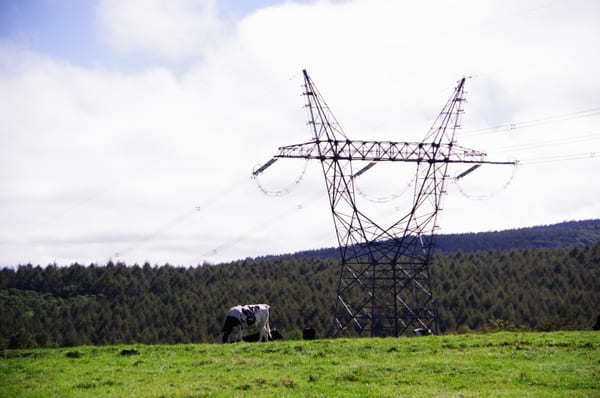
x=384, y=285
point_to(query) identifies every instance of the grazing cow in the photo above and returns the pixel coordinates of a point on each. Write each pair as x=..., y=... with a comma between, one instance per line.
x=255, y=316
x=309, y=334
x=422, y=332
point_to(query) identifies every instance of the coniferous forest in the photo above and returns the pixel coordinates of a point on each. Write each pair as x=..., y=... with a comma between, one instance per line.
x=530, y=288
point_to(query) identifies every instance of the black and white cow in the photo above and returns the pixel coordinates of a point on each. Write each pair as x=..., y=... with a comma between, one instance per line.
x=240, y=317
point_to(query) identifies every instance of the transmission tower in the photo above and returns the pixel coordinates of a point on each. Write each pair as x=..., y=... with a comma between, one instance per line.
x=384, y=285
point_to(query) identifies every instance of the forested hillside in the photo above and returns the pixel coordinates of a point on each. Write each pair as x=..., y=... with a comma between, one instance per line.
x=570, y=233
x=538, y=289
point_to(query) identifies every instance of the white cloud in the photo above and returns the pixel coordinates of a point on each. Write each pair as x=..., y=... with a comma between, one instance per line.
x=174, y=29
x=96, y=162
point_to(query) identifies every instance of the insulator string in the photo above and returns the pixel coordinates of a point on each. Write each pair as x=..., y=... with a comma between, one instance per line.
x=490, y=195
x=285, y=190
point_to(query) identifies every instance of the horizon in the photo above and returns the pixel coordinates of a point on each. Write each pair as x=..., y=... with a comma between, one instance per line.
x=271, y=255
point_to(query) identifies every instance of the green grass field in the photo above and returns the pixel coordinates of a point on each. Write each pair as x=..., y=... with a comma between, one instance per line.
x=554, y=364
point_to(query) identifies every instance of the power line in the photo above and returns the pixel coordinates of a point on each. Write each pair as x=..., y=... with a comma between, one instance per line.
x=262, y=226
x=508, y=126
x=560, y=141
x=182, y=217
x=560, y=158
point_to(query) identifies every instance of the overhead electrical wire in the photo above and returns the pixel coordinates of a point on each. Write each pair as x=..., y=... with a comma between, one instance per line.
x=188, y=213
x=590, y=112
x=503, y=126
x=508, y=126
x=560, y=158
x=181, y=218
x=559, y=141
x=527, y=162
x=263, y=225
x=286, y=213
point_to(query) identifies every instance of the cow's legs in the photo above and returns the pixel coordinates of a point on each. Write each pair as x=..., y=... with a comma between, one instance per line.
x=265, y=332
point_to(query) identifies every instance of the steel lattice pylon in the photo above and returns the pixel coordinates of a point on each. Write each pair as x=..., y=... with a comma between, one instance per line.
x=384, y=286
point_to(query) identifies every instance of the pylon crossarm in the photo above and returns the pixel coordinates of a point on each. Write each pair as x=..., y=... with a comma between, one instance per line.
x=429, y=152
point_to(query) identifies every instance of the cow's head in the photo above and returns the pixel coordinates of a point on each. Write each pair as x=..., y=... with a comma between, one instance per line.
x=230, y=324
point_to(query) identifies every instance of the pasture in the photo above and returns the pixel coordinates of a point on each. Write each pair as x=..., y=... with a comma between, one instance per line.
x=507, y=364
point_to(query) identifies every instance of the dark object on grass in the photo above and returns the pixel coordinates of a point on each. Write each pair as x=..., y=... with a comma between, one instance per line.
x=73, y=354
x=251, y=338
x=597, y=325
x=309, y=334
x=422, y=332
x=129, y=352
x=276, y=335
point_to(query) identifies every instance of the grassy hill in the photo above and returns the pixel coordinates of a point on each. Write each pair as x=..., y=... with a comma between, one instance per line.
x=504, y=364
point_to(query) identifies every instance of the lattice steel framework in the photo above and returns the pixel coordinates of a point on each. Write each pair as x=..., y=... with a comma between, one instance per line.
x=384, y=286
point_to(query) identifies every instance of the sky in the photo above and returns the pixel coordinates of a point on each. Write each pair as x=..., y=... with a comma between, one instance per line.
x=130, y=128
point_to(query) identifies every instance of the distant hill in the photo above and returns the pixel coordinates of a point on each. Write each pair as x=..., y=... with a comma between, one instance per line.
x=570, y=233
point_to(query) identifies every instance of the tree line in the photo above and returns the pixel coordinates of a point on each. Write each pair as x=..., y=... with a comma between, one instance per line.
x=533, y=289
